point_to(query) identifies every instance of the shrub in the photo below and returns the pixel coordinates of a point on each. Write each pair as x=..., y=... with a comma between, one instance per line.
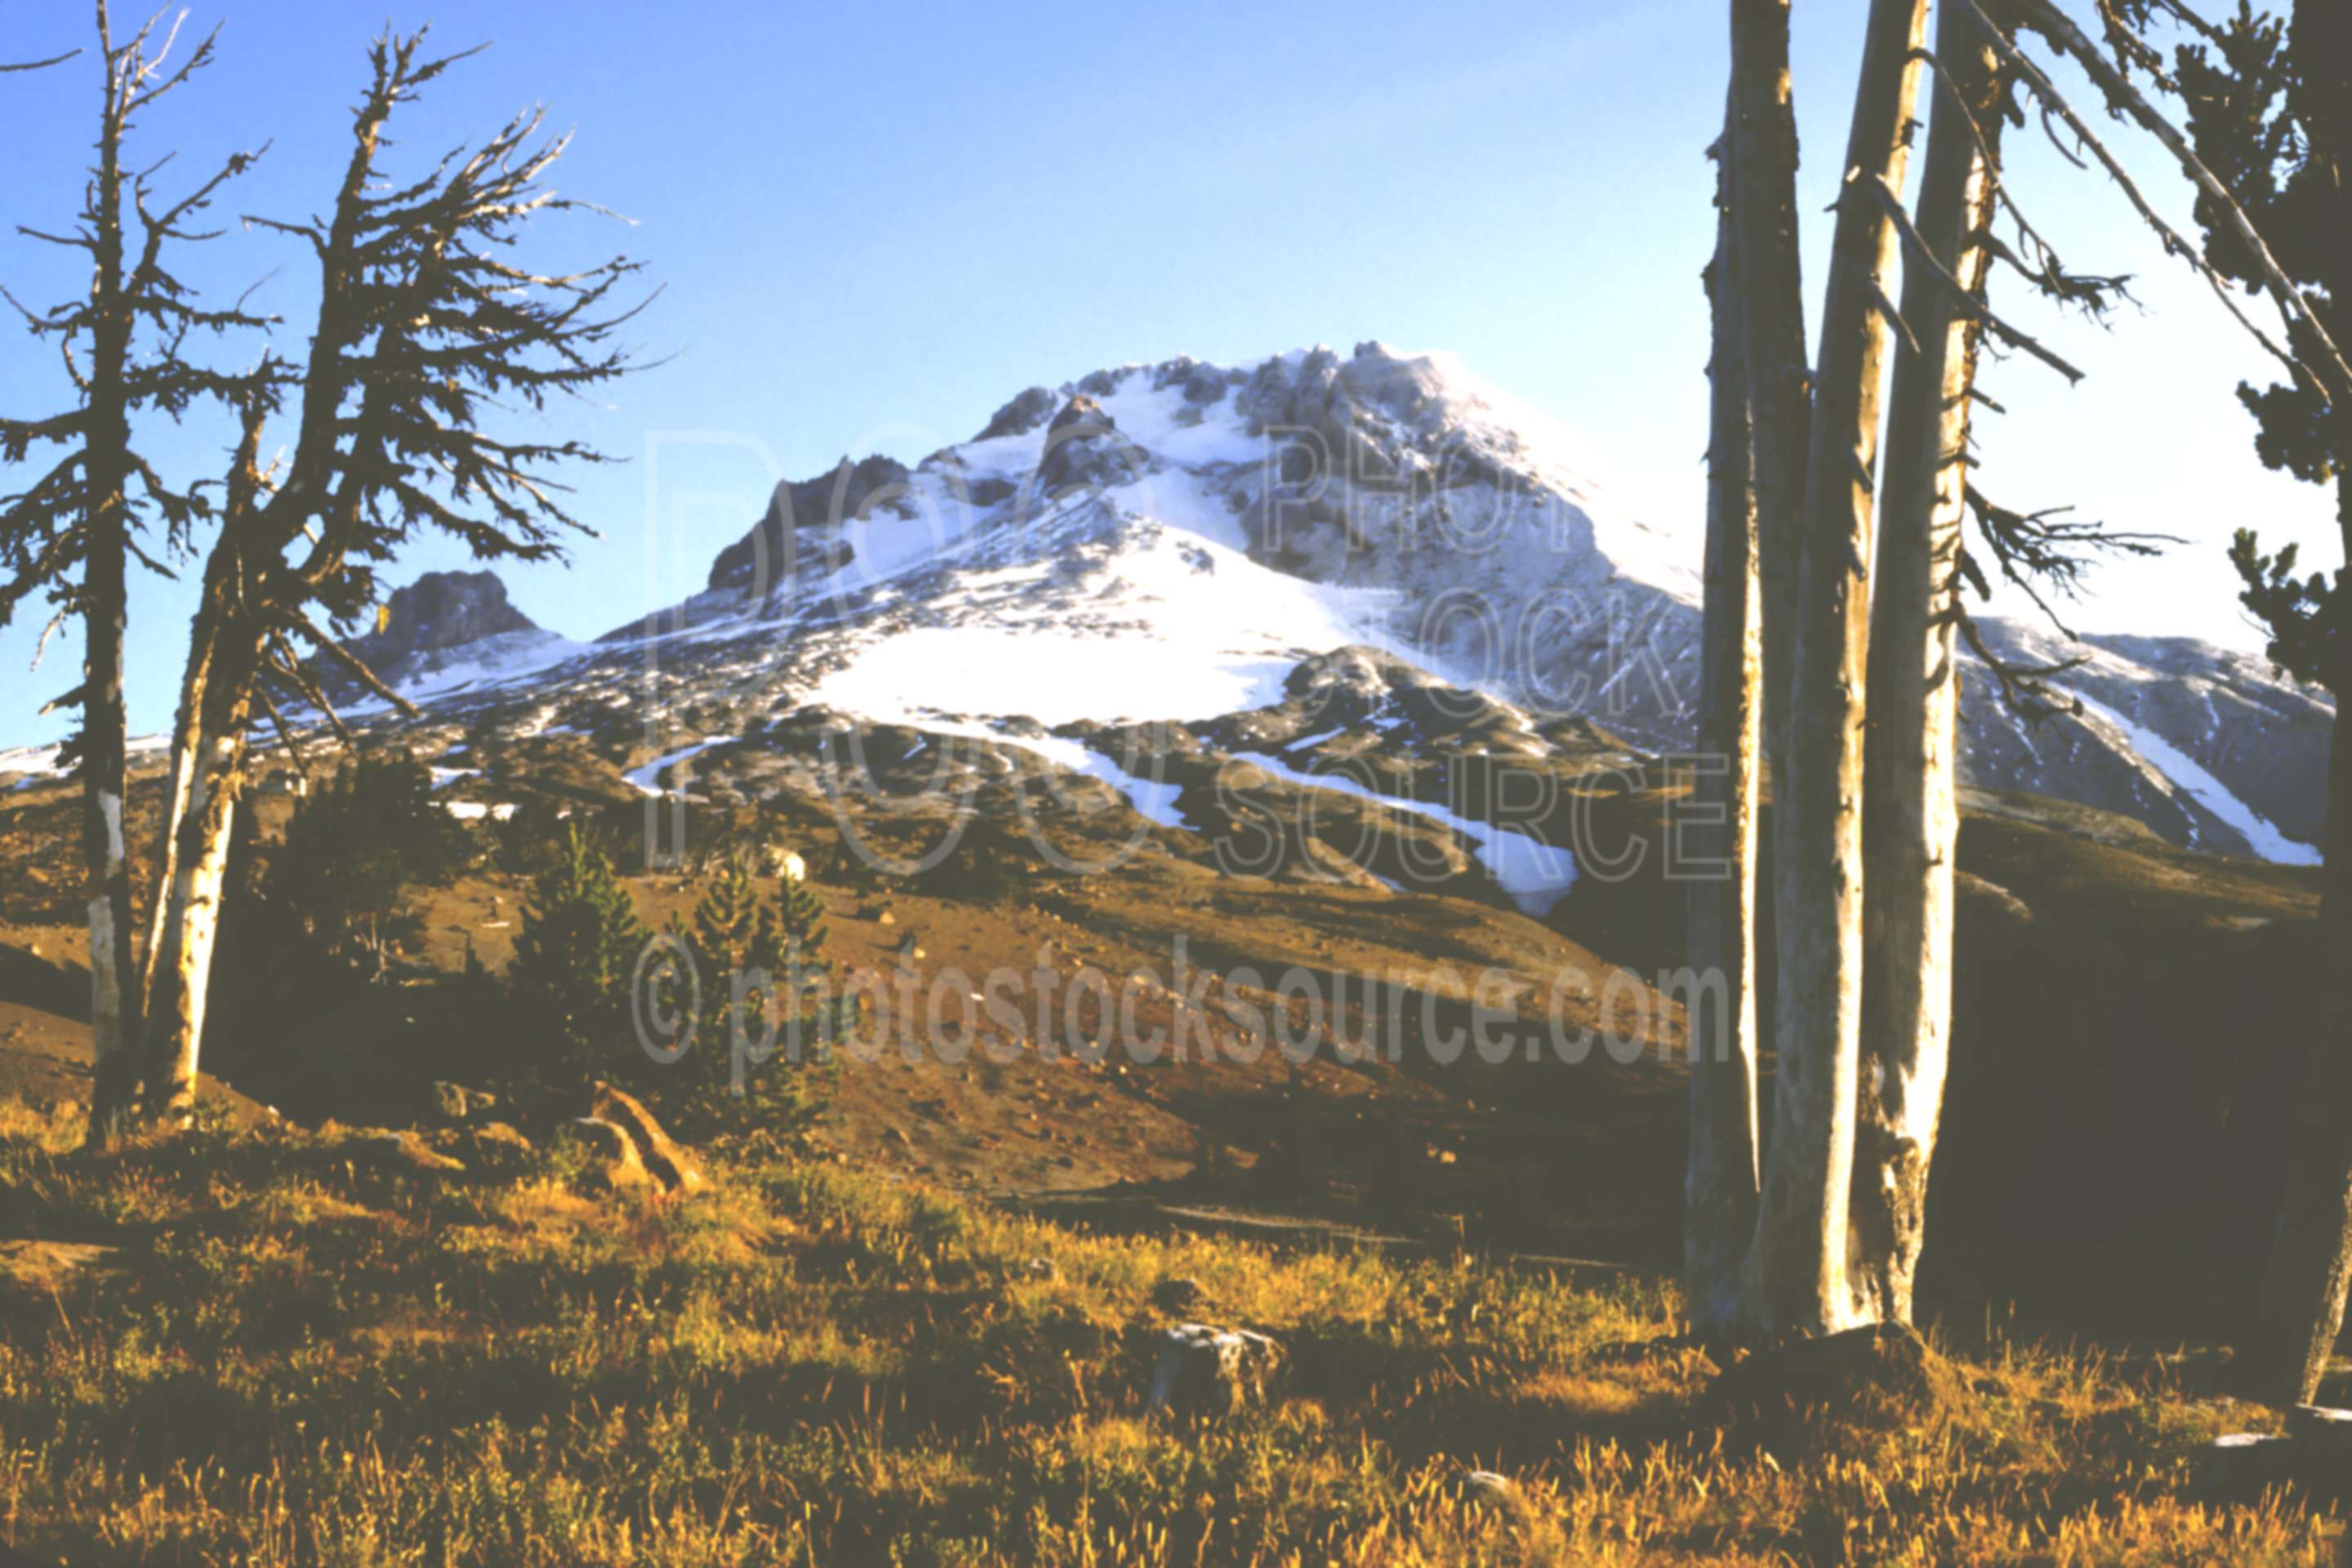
x=352, y=853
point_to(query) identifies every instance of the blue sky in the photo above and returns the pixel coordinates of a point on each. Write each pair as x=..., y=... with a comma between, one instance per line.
x=876, y=223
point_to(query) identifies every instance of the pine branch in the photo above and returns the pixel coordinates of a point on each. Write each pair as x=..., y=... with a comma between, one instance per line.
x=2329, y=370
x=2025, y=688
x=344, y=656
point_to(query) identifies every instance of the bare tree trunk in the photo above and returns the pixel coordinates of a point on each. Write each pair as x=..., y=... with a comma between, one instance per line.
x=1910, y=767
x=1719, y=1185
x=180, y=967
x=113, y=1014
x=104, y=742
x=1797, y=1269
x=179, y=772
x=1763, y=152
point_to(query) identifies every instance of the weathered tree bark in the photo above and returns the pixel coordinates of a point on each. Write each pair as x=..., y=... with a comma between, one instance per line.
x=113, y=1012
x=178, y=771
x=1763, y=166
x=1910, y=766
x=105, y=741
x=1797, y=1268
x=2310, y=1267
x=180, y=968
x=1720, y=1183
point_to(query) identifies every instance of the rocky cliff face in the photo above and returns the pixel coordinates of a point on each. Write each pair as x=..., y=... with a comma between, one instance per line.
x=442, y=610
x=443, y=629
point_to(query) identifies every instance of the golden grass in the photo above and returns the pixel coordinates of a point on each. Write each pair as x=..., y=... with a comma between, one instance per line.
x=302, y=1362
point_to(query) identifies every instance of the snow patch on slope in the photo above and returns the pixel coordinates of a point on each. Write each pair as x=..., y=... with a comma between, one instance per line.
x=2183, y=771
x=1534, y=874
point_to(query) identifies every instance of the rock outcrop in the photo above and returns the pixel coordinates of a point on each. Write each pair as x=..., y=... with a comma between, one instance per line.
x=766, y=555
x=446, y=624
x=1084, y=447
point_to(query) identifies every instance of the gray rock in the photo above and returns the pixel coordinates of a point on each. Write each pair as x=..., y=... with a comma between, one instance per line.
x=1211, y=1371
x=1083, y=447
x=1029, y=408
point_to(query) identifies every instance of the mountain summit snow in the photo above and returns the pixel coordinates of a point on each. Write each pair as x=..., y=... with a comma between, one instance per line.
x=1169, y=542
x=1166, y=540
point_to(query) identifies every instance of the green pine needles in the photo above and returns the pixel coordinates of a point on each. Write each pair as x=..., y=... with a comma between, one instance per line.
x=576, y=958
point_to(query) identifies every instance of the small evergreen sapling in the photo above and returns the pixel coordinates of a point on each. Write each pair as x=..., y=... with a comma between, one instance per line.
x=577, y=957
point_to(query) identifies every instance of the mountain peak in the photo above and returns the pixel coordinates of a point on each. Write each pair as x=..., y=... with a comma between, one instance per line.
x=441, y=630
x=442, y=610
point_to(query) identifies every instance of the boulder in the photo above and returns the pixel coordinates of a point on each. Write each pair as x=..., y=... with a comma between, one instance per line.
x=497, y=1144
x=668, y=1164
x=1209, y=1371
x=608, y=1156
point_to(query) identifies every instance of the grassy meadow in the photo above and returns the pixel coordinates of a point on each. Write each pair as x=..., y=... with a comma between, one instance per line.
x=256, y=1347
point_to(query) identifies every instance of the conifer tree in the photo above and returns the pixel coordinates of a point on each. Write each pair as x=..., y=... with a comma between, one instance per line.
x=576, y=955
x=71, y=534
x=733, y=931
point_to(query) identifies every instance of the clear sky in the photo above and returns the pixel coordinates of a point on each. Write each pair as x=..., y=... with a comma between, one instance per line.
x=875, y=223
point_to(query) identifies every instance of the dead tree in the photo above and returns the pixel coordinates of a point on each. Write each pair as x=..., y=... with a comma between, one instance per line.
x=1763, y=153
x=1797, y=1267
x=1719, y=1185
x=423, y=326
x=1911, y=774
x=74, y=532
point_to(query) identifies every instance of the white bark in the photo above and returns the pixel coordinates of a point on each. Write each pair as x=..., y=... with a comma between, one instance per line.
x=175, y=808
x=1719, y=1182
x=1913, y=821
x=106, y=1009
x=1797, y=1267
x=184, y=960
x=1763, y=153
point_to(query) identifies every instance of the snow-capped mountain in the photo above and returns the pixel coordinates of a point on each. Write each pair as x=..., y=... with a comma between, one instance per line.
x=1164, y=542
x=1169, y=542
